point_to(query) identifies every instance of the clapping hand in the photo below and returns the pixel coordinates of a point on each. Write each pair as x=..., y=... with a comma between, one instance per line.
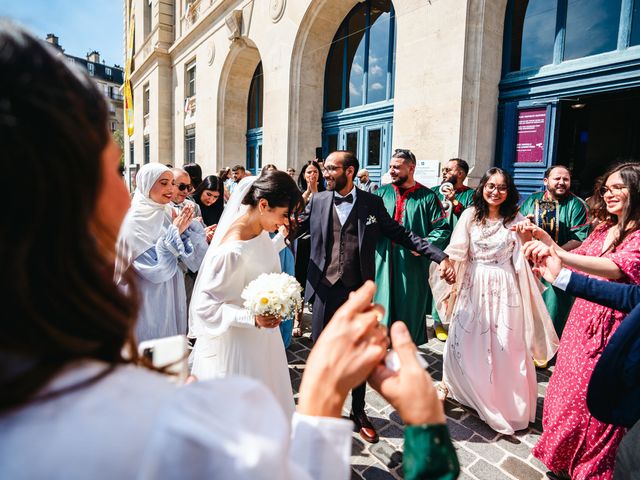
x=183, y=219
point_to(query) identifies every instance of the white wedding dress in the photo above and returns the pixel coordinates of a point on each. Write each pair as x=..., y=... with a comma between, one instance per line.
x=228, y=342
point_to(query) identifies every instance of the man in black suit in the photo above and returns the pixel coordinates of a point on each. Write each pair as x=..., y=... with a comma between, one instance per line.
x=345, y=224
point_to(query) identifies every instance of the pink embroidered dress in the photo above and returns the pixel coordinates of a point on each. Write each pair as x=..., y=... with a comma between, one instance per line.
x=572, y=439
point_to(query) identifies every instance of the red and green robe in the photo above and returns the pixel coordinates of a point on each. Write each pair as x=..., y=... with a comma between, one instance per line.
x=464, y=196
x=569, y=223
x=401, y=277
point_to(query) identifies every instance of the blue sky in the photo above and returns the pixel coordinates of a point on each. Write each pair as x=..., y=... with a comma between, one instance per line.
x=82, y=26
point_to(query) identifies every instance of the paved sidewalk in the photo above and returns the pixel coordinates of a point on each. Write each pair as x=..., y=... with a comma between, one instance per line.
x=483, y=453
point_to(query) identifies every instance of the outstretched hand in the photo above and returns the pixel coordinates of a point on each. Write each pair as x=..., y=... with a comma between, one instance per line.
x=536, y=251
x=410, y=390
x=447, y=271
x=549, y=267
x=349, y=348
x=527, y=231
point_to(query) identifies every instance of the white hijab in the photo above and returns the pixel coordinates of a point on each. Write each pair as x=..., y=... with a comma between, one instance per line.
x=145, y=220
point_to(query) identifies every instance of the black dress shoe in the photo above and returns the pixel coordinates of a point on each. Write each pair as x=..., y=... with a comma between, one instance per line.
x=364, y=427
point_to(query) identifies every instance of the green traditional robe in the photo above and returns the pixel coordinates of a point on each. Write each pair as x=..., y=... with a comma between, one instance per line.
x=401, y=277
x=464, y=195
x=570, y=223
x=465, y=198
x=429, y=453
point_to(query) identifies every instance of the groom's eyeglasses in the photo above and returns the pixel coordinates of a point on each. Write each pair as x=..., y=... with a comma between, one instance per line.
x=185, y=186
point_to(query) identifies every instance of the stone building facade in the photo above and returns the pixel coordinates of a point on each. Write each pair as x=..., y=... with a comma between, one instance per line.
x=108, y=77
x=225, y=82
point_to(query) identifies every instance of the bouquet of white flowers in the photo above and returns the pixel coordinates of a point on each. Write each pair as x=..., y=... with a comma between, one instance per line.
x=276, y=294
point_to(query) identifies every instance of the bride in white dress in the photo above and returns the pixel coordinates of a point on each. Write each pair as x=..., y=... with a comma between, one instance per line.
x=499, y=322
x=229, y=340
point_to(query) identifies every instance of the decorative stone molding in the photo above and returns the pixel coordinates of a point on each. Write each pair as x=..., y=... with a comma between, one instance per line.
x=234, y=24
x=211, y=53
x=276, y=10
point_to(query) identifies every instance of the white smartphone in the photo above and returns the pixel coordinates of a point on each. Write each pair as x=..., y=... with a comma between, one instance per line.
x=170, y=353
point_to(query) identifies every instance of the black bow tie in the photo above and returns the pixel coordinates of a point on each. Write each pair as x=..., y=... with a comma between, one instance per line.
x=339, y=200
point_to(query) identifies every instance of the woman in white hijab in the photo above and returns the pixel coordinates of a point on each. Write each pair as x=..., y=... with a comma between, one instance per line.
x=155, y=245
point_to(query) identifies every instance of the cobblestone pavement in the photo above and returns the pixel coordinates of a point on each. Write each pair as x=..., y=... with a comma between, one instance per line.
x=483, y=453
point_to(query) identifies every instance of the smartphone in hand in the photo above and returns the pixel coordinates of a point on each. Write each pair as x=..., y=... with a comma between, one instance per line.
x=170, y=353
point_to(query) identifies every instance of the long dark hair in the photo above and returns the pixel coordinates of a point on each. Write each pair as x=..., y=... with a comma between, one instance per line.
x=302, y=182
x=195, y=173
x=211, y=214
x=64, y=304
x=279, y=190
x=508, y=209
x=629, y=220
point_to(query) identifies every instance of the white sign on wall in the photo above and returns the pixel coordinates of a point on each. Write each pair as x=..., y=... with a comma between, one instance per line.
x=427, y=172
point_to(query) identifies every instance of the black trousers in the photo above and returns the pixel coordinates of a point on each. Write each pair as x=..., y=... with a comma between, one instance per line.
x=327, y=300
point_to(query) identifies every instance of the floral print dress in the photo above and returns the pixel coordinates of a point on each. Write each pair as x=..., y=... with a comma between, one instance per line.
x=573, y=440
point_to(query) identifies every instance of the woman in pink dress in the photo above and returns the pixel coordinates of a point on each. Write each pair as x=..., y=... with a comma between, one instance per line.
x=573, y=442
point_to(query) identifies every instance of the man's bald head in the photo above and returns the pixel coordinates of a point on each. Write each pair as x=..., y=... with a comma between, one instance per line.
x=182, y=186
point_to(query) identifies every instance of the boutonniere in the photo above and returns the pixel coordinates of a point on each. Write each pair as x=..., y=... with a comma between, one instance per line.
x=371, y=219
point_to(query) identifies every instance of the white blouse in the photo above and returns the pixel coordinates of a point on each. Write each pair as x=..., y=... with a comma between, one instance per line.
x=135, y=424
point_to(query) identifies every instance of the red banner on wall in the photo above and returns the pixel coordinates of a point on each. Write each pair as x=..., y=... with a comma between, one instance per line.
x=531, y=127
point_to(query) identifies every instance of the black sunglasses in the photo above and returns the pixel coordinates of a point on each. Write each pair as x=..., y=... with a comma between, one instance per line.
x=185, y=186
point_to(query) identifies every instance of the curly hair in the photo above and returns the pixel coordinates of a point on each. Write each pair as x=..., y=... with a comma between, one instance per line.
x=629, y=219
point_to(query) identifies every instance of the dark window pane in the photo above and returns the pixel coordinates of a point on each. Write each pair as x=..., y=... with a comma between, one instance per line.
x=131, y=149
x=356, y=55
x=190, y=145
x=592, y=27
x=379, y=66
x=147, y=150
x=373, y=147
x=635, y=24
x=259, y=159
x=334, y=73
x=332, y=143
x=352, y=142
x=254, y=108
x=251, y=158
x=538, y=34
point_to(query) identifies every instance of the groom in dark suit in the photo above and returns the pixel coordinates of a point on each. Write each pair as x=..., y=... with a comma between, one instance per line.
x=345, y=224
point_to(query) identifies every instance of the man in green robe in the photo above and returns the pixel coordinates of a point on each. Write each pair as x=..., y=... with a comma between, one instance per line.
x=454, y=200
x=564, y=216
x=402, y=277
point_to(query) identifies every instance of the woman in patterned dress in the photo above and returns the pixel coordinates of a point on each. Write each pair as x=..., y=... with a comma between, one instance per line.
x=573, y=442
x=499, y=323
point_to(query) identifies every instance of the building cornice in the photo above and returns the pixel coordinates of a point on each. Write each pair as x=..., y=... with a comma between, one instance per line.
x=208, y=19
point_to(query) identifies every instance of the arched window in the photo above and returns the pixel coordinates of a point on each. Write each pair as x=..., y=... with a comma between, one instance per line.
x=544, y=32
x=360, y=64
x=254, y=121
x=358, y=101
